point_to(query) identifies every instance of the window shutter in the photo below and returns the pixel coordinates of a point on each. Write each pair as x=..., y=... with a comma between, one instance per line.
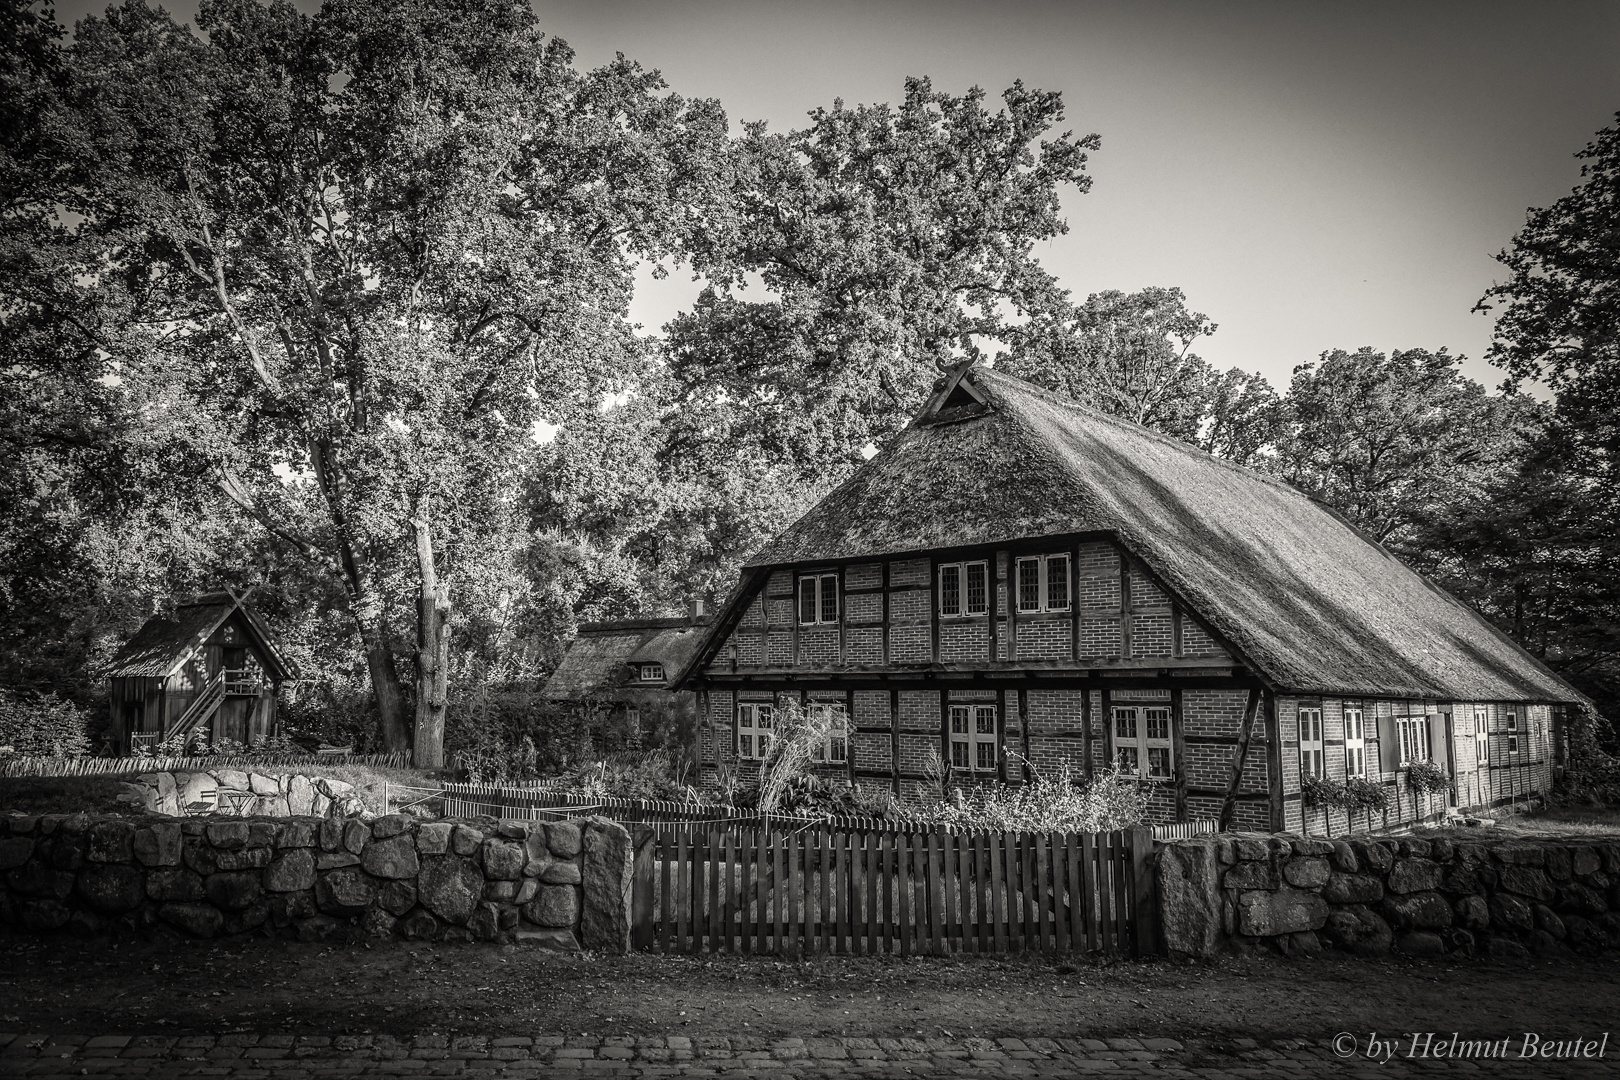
x=1439, y=745
x=1389, y=744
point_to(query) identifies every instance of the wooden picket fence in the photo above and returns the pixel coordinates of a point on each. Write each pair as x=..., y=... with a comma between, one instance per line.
x=724, y=888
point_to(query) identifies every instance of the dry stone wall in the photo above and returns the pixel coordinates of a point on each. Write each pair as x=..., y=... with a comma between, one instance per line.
x=174, y=794
x=1426, y=896
x=560, y=885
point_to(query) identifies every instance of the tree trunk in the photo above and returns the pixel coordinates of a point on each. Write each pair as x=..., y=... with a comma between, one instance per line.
x=432, y=648
x=385, y=686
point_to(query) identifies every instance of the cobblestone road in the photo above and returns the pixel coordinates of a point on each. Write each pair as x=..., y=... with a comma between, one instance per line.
x=273, y=1057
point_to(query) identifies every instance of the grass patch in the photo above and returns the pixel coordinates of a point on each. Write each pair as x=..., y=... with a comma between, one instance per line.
x=63, y=795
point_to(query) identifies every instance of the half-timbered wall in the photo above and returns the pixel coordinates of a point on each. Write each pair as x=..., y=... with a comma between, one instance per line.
x=1121, y=626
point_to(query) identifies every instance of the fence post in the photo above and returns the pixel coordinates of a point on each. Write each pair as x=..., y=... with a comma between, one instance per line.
x=641, y=888
x=1145, y=916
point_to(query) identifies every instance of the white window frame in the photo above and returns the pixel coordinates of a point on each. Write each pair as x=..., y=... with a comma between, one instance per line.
x=651, y=673
x=755, y=722
x=1312, y=755
x=1355, y=741
x=1512, y=729
x=1413, y=732
x=823, y=587
x=834, y=750
x=964, y=608
x=981, y=750
x=1134, y=748
x=1482, y=737
x=1044, y=580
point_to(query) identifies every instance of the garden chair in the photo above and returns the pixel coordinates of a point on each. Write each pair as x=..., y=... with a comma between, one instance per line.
x=236, y=803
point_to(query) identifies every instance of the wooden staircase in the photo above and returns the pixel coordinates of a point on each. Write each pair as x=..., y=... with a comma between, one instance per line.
x=201, y=711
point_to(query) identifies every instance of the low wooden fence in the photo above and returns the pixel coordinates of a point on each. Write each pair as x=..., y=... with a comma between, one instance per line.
x=725, y=888
x=45, y=765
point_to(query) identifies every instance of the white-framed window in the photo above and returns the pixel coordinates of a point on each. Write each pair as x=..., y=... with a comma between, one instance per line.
x=973, y=738
x=1043, y=583
x=652, y=673
x=754, y=730
x=1482, y=737
x=964, y=589
x=1310, y=744
x=632, y=717
x=836, y=746
x=1355, y=742
x=818, y=599
x=1142, y=740
x=1512, y=725
x=1414, y=736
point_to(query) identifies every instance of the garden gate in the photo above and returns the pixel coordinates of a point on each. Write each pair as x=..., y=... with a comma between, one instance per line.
x=721, y=887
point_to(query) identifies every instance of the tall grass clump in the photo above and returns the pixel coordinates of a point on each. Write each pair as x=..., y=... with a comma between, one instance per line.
x=1059, y=801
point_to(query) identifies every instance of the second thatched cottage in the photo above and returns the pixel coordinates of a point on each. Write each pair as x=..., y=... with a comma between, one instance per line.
x=1020, y=579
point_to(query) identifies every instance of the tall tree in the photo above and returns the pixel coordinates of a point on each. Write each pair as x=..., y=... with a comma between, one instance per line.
x=1389, y=439
x=356, y=256
x=1558, y=320
x=889, y=241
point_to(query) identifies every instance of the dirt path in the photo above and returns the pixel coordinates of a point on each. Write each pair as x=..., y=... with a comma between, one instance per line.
x=64, y=985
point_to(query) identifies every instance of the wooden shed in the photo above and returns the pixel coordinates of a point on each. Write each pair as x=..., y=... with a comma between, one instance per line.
x=213, y=670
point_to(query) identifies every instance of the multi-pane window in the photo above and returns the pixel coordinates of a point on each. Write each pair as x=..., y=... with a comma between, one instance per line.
x=964, y=588
x=1414, y=736
x=1355, y=743
x=818, y=599
x=1513, y=731
x=652, y=672
x=973, y=737
x=1482, y=737
x=836, y=745
x=753, y=730
x=1043, y=583
x=1310, y=743
x=1142, y=740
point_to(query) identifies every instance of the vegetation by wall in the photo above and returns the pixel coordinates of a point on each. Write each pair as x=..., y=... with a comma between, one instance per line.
x=1421, y=896
x=561, y=885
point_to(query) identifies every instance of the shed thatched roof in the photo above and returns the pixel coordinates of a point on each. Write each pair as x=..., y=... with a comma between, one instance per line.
x=1313, y=604
x=162, y=644
x=600, y=660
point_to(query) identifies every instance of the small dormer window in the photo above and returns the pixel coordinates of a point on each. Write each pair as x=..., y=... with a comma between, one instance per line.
x=652, y=672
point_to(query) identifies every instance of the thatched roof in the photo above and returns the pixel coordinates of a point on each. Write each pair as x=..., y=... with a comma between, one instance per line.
x=162, y=644
x=1312, y=604
x=601, y=659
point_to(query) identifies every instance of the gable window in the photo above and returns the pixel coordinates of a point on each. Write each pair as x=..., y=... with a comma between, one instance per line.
x=835, y=748
x=1355, y=743
x=818, y=599
x=652, y=672
x=1482, y=737
x=753, y=730
x=1142, y=740
x=1513, y=731
x=1043, y=583
x=1310, y=743
x=973, y=738
x=964, y=588
x=1414, y=736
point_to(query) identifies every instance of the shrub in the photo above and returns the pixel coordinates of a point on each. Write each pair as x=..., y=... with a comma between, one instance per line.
x=1365, y=795
x=652, y=774
x=42, y=724
x=1329, y=794
x=1061, y=801
x=1426, y=777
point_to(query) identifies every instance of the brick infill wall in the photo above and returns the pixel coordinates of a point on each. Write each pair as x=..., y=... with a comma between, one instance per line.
x=562, y=885
x=1421, y=896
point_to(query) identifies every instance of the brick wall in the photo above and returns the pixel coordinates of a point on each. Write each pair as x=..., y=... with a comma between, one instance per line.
x=819, y=647
x=964, y=640
x=1043, y=638
x=864, y=576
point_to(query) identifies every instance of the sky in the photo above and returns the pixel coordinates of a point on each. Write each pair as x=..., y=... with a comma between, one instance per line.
x=1312, y=175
